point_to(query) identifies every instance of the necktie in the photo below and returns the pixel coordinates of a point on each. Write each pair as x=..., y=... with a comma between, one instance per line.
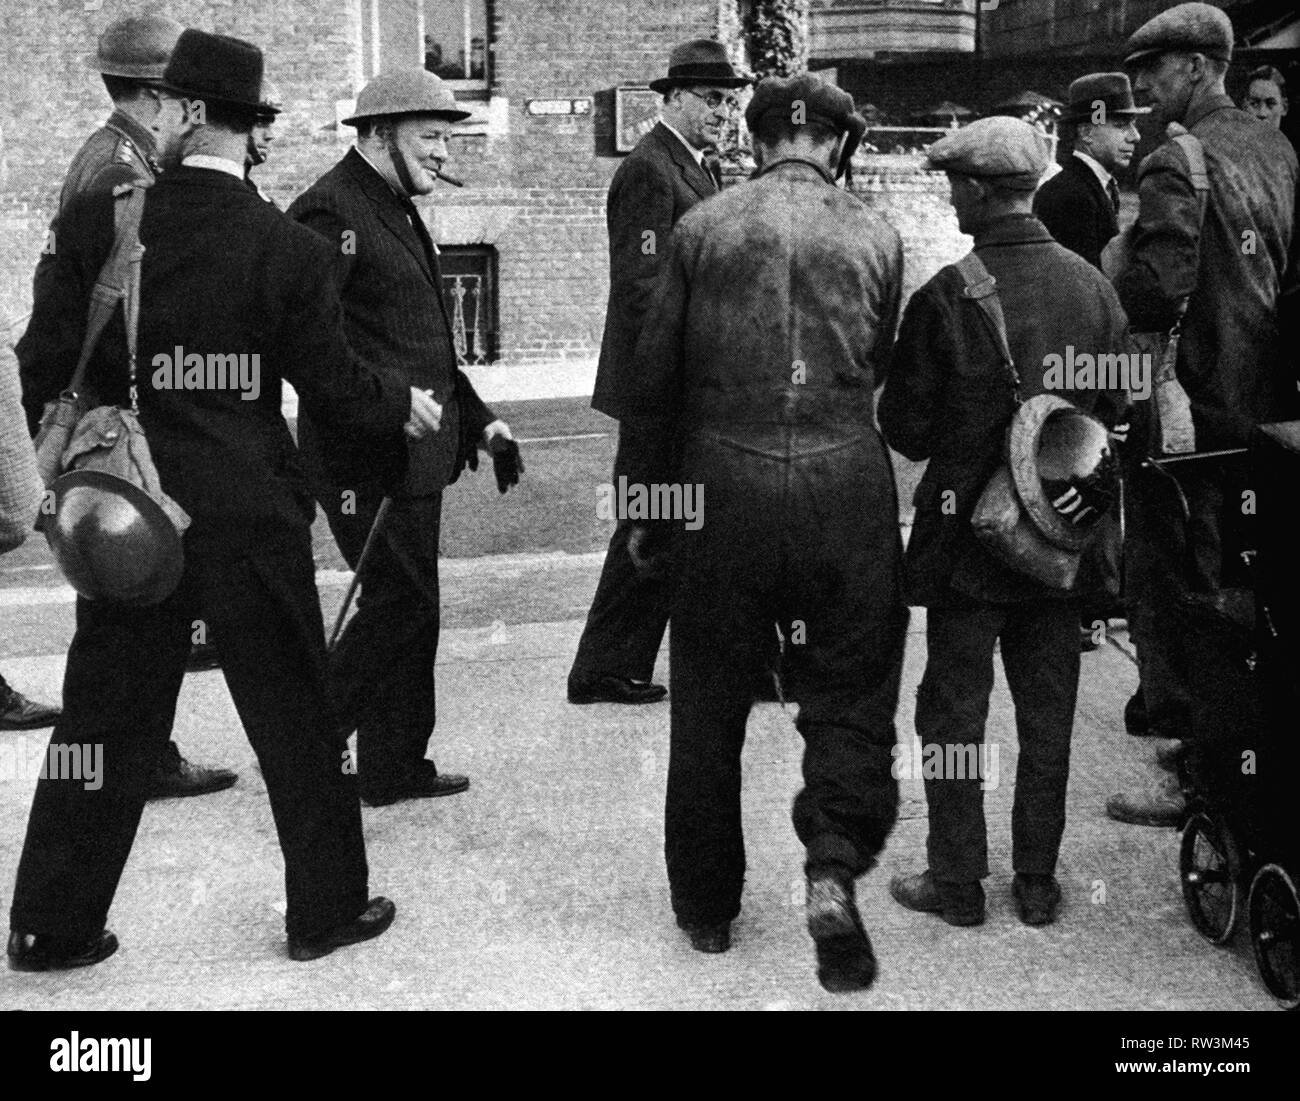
x=713, y=166
x=1112, y=189
x=422, y=231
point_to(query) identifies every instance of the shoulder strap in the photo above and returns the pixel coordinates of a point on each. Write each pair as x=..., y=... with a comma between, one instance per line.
x=1192, y=149
x=120, y=270
x=981, y=288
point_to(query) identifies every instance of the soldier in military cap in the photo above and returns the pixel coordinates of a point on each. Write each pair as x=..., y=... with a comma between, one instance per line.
x=224, y=276
x=752, y=386
x=949, y=399
x=131, y=56
x=1215, y=259
x=387, y=270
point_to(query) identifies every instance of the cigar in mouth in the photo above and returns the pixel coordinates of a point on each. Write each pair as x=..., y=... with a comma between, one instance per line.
x=448, y=179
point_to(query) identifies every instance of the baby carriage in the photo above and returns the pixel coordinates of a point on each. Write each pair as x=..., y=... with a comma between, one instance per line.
x=1239, y=848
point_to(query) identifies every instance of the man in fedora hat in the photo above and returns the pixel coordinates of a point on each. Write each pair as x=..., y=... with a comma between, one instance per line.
x=386, y=268
x=753, y=382
x=224, y=275
x=131, y=56
x=1080, y=205
x=1214, y=257
x=661, y=179
x=949, y=399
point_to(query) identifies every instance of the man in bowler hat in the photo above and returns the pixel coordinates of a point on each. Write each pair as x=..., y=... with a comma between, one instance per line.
x=223, y=273
x=1080, y=205
x=661, y=179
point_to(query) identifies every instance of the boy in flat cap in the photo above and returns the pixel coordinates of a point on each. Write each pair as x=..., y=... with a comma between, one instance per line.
x=950, y=399
x=663, y=177
x=1215, y=259
x=753, y=380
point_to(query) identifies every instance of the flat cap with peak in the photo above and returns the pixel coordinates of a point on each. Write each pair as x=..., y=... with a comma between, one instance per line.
x=1187, y=28
x=407, y=91
x=137, y=47
x=807, y=98
x=1007, y=150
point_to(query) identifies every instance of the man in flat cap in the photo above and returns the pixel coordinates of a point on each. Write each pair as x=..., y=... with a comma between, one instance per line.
x=661, y=179
x=949, y=399
x=386, y=268
x=131, y=56
x=225, y=275
x=753, y=388
x=1213, y=258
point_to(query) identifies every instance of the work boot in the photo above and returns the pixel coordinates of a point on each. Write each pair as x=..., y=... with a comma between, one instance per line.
x=845, y=959
x=1165, y=805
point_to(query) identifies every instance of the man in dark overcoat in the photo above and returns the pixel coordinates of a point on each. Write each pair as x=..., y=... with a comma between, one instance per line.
x=224, y=274
x=661, y=179
x=1226, y=267
x=949, y=399
x=756, y=373
x=386, y=268
x=1080, y=204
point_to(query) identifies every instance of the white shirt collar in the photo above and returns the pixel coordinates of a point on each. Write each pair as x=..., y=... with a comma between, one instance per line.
x=698, y=154
x=1096, y=166
x=378, y=173
x=217, y=164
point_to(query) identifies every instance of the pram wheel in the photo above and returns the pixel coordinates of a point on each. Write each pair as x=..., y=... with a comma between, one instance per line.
x=1275, y=932
x=1211, y=873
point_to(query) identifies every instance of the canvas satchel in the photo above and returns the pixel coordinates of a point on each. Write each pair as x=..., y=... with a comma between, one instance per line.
x=107, y=438
x=999, y=518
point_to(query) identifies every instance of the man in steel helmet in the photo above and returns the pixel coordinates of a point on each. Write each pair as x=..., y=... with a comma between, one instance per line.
x=391, y=285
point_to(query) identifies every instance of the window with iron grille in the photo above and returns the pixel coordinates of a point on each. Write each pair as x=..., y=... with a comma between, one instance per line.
x=469, y=288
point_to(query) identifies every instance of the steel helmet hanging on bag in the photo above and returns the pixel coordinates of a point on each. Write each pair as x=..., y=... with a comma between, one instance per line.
x=1064, y=470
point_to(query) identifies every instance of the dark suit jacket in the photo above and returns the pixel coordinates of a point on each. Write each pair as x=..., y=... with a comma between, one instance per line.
x=1077, y=211
x=657, y=183
x=394, y=318
x=223, y=274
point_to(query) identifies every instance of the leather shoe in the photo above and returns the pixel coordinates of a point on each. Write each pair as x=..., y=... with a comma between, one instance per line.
x=425, y=782
x=710, y=938
x=1163, y=806
x=40, y=952
x=17, y=712
x=373, y=921
x=179, y=778
x=845, y=959
x=1169, y=752
x=1037, y=897
x=956, y=903
x=608, y=688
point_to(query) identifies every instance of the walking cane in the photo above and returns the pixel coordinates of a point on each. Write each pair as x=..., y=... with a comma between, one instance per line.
x=371, y=540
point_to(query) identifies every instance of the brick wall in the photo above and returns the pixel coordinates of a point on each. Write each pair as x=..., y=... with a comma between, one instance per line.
x=535, y=185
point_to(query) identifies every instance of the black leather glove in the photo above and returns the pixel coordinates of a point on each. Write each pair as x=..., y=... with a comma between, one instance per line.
x=507, y=462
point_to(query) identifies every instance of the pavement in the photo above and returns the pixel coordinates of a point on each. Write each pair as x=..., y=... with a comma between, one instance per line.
x=543, y=887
